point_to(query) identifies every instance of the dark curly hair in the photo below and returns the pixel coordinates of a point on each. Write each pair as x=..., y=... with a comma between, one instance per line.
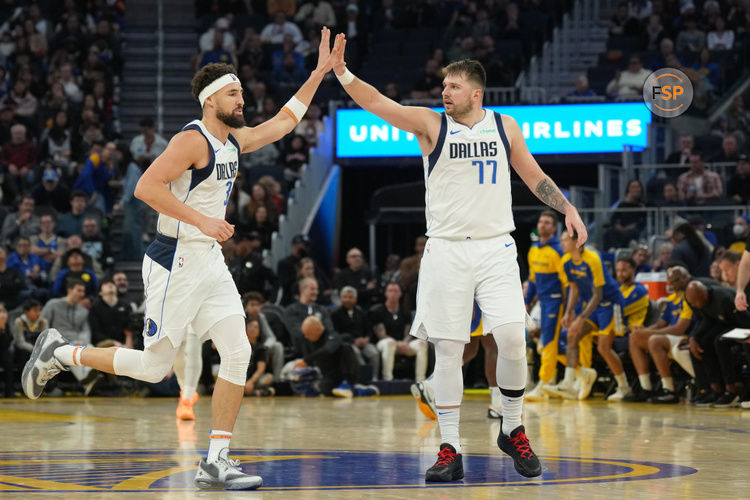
x=208, y=74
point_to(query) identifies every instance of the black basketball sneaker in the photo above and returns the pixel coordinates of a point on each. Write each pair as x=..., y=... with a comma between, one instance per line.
x=518, y=448
x=449, y=465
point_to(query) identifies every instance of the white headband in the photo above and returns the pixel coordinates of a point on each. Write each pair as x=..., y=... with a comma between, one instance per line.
x=215, y=86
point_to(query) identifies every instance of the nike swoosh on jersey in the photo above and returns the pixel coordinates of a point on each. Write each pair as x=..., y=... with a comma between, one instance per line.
x=508, y=244
x=455, y=131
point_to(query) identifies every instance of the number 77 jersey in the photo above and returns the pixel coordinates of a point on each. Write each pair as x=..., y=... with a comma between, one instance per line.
x=467, y=181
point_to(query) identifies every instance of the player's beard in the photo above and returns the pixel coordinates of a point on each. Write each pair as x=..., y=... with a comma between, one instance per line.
x=459, y=111
x=231, y=120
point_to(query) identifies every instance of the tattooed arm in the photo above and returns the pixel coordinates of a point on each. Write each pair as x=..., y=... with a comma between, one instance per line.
x=540, y=183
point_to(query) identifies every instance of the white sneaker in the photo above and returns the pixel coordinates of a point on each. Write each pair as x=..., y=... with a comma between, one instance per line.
x=494, y=413
x=565, y=390
x=619, y=394
x=745, y=404
x=42, y=364
x=225, y=473
x=342, y=391
x=586, y=379
x=537, y=393
x=425, y=397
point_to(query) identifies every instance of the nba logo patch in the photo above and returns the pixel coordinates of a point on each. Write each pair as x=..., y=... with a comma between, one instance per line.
x=180, y=261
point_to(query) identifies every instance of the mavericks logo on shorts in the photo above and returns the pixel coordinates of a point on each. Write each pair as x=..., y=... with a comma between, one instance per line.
x=150, y=328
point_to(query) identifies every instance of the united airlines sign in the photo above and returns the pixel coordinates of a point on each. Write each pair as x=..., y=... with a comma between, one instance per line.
x=548, y=129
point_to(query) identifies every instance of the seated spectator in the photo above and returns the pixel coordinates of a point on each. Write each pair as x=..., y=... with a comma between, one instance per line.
x=262, y=226
x=23, y=222
x=670, y=197
x=358, y=275
x=690, y=249
x=71, y=223
x=23, y=103
x=303, y=307
x=391, y=270
x=626, y=226
x=691, y=38
x=75, y=269
x=708, y=70
x=275, y=349
x=17, y=158
x=57, y=142
x=629, y=83
x=134, y=212
x=429, y=84
x=288, y=77
x=47, y=245
x=391, y=324
x=220, y=30
x=640, y=257
x=740, y=232
x=216, y=54
x=296, y=154
x=352, y=323
x=682, y=156
x=654, y=32
x=258, y=382
x=31, y=267
x=582, y=88
x=699, y=186
x=666, y=50
x=50, y=192
x=109, y=318
x=306, y=269
x=729, y=263
x=660, y=340
x=6, y=355
x=260, y=196
x=316, y=13
x=95, y=244
x=729, y=151
x=720, y=38
x=72, y=242
x=26, y=328
x=738, y=187
x=148, y=144
x=274, y=32
x=622, y=24
x=278, y=56
x=273, y=190
x=94, y=178
x=738, y=118
x=67, y=315
x=311, y=125
x=247, y=267
x=663, y=254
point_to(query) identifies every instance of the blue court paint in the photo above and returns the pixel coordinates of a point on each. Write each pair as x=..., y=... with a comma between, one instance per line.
x=306, y=469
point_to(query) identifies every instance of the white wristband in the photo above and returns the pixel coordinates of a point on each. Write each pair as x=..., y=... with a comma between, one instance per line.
x=346, y=78
x=295, y=108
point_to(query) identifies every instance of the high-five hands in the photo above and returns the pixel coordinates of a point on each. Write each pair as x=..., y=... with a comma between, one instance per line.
x=326, y=57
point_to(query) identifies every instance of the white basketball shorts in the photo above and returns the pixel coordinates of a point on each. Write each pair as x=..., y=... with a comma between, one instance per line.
x=186, y=284
x=453, y=273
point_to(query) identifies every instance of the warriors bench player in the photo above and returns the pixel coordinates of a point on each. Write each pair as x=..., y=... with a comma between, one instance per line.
x=184, y=275
x=467, y=153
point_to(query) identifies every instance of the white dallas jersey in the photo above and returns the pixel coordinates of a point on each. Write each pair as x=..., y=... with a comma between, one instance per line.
x=467, y=181
x=205, y=189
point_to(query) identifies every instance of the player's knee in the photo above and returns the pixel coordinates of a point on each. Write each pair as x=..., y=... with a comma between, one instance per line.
x=603, y=348
x=155, y=372
x=448, y=353
x=654, y=342
x=511, y=340
x=234, y=362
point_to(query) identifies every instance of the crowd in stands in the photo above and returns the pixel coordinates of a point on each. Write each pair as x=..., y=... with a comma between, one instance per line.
x=705, y=40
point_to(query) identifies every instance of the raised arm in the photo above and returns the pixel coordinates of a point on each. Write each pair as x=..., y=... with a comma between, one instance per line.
x=254, y=138
x=186, y=149
x=540, y=183
x=420, y=121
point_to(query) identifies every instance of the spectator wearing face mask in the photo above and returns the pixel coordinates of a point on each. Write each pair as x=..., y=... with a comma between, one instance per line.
x=740, y=232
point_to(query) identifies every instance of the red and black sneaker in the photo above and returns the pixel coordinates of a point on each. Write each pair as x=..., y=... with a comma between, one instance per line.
x=517, y=446
x=449, y=465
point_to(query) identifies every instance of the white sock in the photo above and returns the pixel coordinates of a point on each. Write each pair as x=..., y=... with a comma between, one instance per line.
x=645, y=381
x=622, y=381
x=69, y=355
x=512, y=408
x=570, y=375
x=218, y=440
x=667, y=383
x=495, y=397
x=448, y=419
